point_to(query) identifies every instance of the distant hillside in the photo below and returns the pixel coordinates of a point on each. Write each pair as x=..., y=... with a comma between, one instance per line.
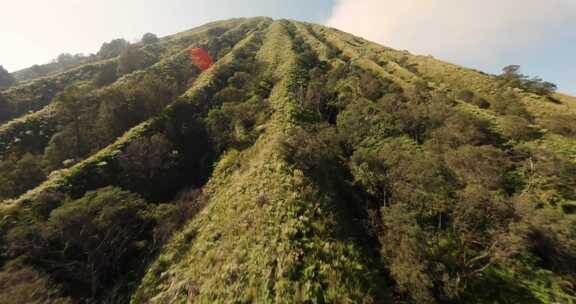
x=305, y=165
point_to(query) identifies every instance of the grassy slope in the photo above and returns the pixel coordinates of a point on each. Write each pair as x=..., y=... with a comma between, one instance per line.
x=267, y=234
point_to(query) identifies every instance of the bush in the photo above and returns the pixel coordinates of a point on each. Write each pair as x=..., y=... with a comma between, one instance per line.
x=132, y=59
x=6, y=79
x=364, y=119
x=482, y=165
x=461, y=128
x=149, y=38
x=561, y=123
x=113, y=48
x=511, y=76
x=398, y=172
x=96, y=238
x=5, y=108
x=315, y=148
x=518, y=128
x=107, y=75
x=509, y=103
x=547, y=233
x=236, y=124
x=466, y=95
x=20, y=175
x=239, y=80
x=24, y=285
x=404, y=251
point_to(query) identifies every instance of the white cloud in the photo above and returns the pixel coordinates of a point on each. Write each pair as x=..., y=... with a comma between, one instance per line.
x=454, y=29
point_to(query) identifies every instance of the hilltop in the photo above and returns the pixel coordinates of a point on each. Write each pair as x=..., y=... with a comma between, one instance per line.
x=305, y=165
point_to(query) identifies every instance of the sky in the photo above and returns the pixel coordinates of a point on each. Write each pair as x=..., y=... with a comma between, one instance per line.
x=539, y=35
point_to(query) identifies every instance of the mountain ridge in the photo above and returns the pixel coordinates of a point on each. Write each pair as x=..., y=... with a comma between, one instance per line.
x=290, y=143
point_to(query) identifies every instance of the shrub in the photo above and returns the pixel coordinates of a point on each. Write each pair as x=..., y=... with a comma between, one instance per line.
x=547, y=233
x=466, y=95
x=364, y=119
x=5, y=108
x=511, y=76
x=235, y=124
x=24, y=285
x=398, y=172
x=6, y=79
x=149, y=38
x=314, y=148
x=561, y=123
x=20, y=175
x=112, y=48
x=461, y=128
x=482, y=165
x=404, y=251
x=517, y=128
x=132, y=59
x=107, y=75
x=509, y=103
x=98, y=237
x=239, y=80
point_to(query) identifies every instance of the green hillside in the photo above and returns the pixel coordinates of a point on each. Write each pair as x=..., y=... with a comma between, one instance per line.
x=306, y=165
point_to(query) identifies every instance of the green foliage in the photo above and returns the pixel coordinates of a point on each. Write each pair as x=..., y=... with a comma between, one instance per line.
x=112, y=48
x=511, y=77
x=508, y=103
x=364, y=119
x=518, y=128
x=470, y=97
x=106, y=76
x=481, y=165
x=149, y=38
x=6, y=79
x=405, y=253
x=24, y=285
x=4, y=108
x=561, y=123
x=19, y=174
x=459, y=129
x=313, y=148
x=85, y=242
x=133, y=58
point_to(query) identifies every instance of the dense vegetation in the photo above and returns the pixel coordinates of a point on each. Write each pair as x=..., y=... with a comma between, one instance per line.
x=306, y=165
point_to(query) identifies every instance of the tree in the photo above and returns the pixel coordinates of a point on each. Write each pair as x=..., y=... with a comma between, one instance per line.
x=517, y=128
x=149, y=165
x=404, y=251
x=97, y=232
x=6, y=79
x=113, y=48
x=131, y=59
x=398, y=172
x=509, y=103
x=107, y=75
x=482, y=165
x=461, y=128
x=547, y=233
x=23, y=284
x=561, y=123
x=19, y=175
x=5, y=108
x=72, y=107
x=149, y=38
x=511, y=76
x=364, y=119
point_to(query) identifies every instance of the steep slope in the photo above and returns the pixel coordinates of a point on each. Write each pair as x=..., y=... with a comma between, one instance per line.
x=306, y=165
